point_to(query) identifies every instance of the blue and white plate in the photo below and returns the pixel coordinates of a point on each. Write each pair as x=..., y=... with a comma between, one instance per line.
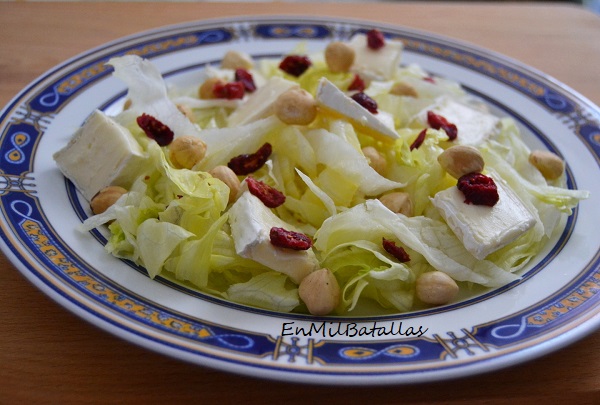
x=555, y=303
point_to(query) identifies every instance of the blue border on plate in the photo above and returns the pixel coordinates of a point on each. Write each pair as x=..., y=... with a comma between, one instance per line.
x=23, y=124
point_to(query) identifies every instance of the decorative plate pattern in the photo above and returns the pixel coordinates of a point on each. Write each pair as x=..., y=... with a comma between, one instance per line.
x=554, y=303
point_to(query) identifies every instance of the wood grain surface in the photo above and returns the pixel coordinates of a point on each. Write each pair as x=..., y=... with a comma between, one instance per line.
x=48, y=355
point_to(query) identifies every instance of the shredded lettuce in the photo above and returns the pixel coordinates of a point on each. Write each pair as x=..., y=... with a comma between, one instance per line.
x=265, y=290
x=430, y=238
x=175, y=222
x=510, y=161
x=148, y=94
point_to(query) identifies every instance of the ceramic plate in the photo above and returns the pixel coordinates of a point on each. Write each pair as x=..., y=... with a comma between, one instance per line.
x=555, y=302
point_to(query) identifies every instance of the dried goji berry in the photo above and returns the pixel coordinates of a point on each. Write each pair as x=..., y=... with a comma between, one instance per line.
x=251, y=162
x=436, y=121
x=295, y=65
x=270, y=196
x=357, y=84
x=419, y=140
x=478, y=189
x=245, y=77
x=397, y=251
x=375, y=39
x=229, y=91
x=155, y=129
x=365, y=101
x=289, y=239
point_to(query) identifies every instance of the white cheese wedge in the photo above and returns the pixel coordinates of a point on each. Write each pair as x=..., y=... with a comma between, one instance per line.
x=474, y=126
x=335, y=102
x=483, y=229
x=100, y=154
x=375, y=64
x=251, y=222
x=260, y=104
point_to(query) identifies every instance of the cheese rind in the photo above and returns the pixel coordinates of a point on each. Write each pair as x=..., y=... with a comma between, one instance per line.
x=375, y=64
x=101, y=153
x=251, y=222
x=474, y=126
x=482, y=229
x=335, y=102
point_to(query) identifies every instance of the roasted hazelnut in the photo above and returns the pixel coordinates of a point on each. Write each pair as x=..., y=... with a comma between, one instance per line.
x=236, y=60
x=459, y=160
x=376, y=160
x=320, y=292
x=403, y=89
x=398, y=202
x=186, y=151
x=339, y=57
x=296, y=106
x=549, y=164
x=207, y=88
x=105, y=198
x=231, y=180
x=436, y=288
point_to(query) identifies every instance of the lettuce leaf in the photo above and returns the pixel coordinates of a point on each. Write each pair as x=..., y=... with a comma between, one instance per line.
x=266, y=291
x=341, y=156
x=508, y=157
x=148, y=94
x=430, y=238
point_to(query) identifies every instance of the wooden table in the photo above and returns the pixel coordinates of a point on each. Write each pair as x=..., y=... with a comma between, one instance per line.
x=48, y=355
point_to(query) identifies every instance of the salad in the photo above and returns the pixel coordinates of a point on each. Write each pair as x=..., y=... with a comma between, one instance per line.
x=340, y=182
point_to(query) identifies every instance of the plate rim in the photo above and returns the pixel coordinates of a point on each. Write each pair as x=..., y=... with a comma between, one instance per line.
x=164, y=30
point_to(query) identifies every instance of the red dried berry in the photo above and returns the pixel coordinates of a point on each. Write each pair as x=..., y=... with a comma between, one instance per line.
x=397, y=251
x=295, y=65
x=289, y=239
x=229, y=91
x=249, y=163
x=357, y=84
x=375, y=39
x=245, y=77
x=478, y=189
x=155, y=129
x=419, y=140
x=366, y=102
x=270, y=196
x=436, y=121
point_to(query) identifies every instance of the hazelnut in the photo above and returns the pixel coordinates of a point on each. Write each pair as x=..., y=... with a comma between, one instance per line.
x=403, y=89
x=106, y=198
x=320, y=292
x=237, y=60
x=296, y=106
x=436, y=288
x=460, y=160
x=339, y=57
x=231, y=180
x=398, y=202
x=549, y=164
x=207, y=89
x=376, y=160
x=186, y=151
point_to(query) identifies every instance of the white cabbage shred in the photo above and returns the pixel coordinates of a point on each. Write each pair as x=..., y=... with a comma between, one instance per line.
x=174, y=222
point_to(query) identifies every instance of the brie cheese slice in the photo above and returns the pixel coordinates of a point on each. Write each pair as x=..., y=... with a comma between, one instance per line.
x=483, y=229
x=375, y=64
x=474, y=126
x=251, y=222
x=335, y=102
x=101, y=153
